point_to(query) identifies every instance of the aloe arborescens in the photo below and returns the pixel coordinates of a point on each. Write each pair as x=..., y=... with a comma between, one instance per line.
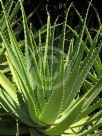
x=44, y=92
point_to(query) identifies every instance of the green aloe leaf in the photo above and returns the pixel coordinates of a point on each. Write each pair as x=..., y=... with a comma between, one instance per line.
x=8, y=86
x=63, y=125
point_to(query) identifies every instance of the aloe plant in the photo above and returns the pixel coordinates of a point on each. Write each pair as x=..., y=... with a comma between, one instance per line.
x=44, y=91
x=8, y=125
x=12, y=9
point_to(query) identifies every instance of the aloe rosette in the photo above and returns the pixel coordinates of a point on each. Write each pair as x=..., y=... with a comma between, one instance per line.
x=44, y=92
